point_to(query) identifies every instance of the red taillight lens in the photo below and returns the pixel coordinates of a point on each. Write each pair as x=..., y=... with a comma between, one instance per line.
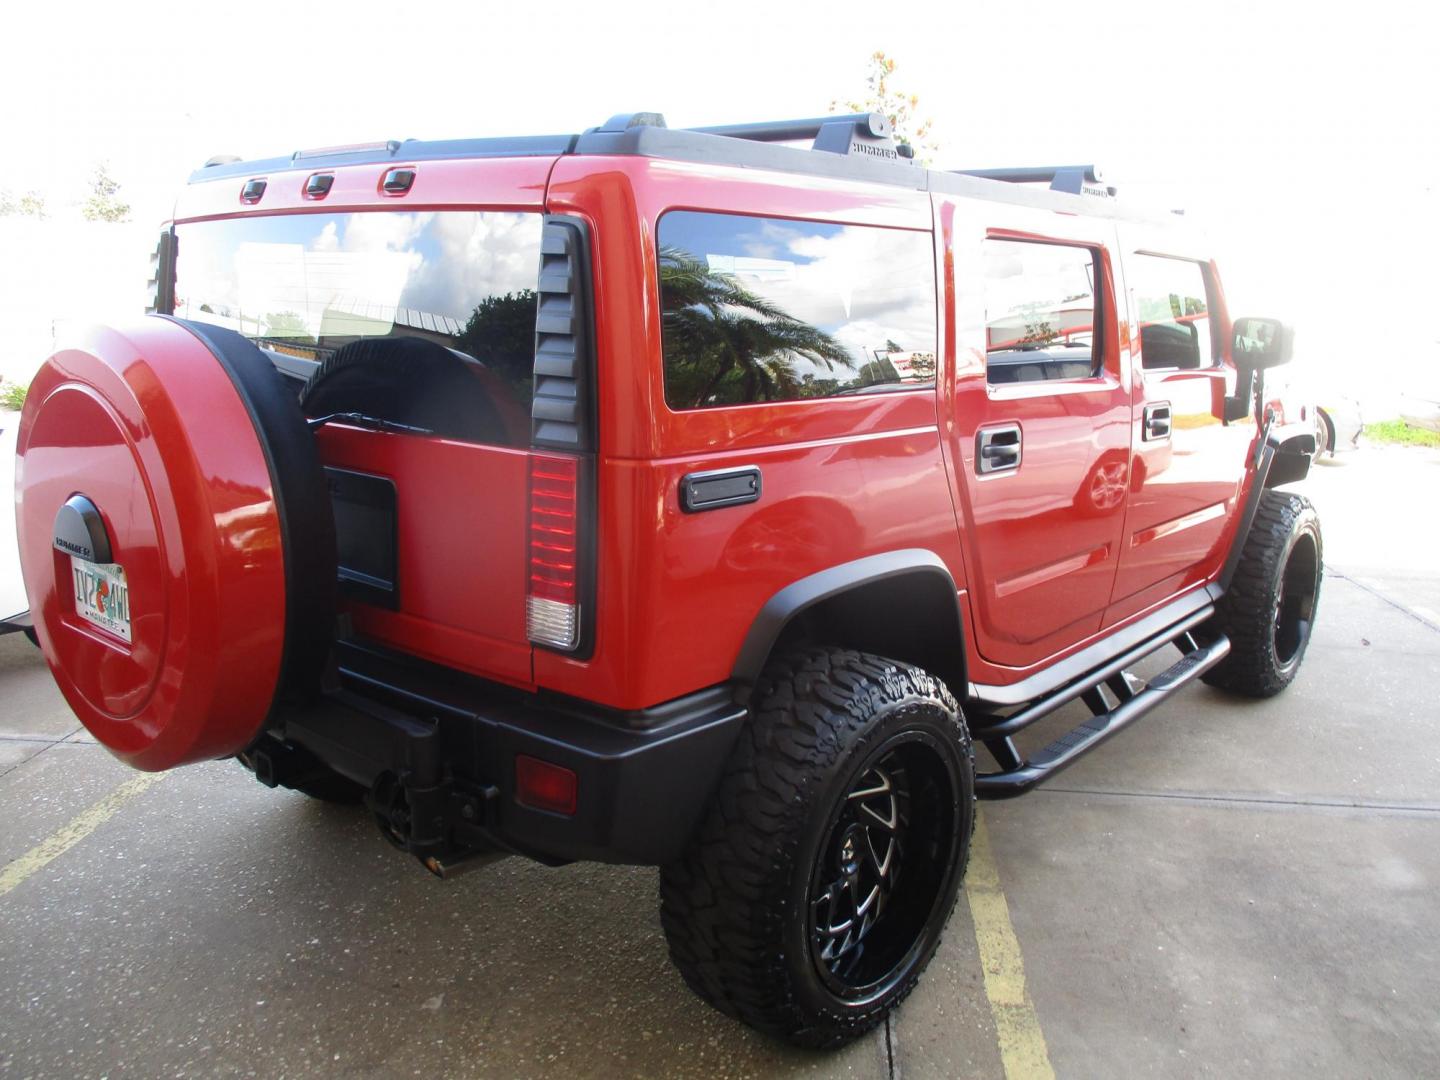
x=543, y=786
x=552, y=603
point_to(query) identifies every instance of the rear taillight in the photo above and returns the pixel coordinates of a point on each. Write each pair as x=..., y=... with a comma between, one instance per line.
x=552, y=602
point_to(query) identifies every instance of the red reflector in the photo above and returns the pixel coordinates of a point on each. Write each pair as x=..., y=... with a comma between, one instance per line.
x=544, y=786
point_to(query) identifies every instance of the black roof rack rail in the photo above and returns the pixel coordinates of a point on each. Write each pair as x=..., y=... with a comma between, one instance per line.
x=875, y=124
x=1076, y=179
x=869, y=133
x=859, y=147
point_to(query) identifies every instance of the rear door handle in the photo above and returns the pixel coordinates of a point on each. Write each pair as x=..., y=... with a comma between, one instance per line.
x=1157, y=421
x=997, y=449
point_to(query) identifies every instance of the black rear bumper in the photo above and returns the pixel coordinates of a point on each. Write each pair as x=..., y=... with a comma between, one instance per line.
x=450, y=743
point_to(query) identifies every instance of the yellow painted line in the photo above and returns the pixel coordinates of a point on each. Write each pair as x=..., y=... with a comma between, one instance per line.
x=55, y=845
x=1022, y=1044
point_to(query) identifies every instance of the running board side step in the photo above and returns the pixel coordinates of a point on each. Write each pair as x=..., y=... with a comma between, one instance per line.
x=1133, y=700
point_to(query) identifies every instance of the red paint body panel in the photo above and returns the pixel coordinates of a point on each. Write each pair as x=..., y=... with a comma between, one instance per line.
x=677, y=593
x=191, y=518
x=1185, y=489
x=1042, y=565
x=460, y=540
x=1042, y=551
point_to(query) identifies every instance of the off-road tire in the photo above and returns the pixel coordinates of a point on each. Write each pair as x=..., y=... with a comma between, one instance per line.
x=1268, y=639
x=737, y=908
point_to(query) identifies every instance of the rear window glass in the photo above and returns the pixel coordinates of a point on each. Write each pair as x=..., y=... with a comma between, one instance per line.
x=1170, y=301
x=306, y=285
x=766, y=309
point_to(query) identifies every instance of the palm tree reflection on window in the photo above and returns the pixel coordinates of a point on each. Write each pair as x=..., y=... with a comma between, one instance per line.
x=726, y=345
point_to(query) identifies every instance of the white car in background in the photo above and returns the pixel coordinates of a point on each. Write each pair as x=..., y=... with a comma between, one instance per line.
x=14, y=609
x=1303, y=398
x=1420, y=405
x=1338, y=424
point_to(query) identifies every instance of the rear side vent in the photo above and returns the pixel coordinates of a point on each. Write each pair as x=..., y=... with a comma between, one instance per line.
x=561, y=409
x=161, y=288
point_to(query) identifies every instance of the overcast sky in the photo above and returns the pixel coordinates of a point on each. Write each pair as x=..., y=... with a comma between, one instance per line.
x=1307, y=135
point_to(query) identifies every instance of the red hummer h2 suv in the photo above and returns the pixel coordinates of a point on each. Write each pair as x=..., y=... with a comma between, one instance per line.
x=687, y=498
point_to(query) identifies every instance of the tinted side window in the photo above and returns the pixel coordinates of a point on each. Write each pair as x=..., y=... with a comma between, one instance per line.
x=765, y=309
x=1041, y=312
x=1174, y=317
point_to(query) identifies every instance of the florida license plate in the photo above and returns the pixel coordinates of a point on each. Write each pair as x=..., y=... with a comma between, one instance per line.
x=101, y=596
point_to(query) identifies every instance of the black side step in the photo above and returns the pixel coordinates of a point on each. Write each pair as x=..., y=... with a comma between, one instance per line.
x=1133, y=700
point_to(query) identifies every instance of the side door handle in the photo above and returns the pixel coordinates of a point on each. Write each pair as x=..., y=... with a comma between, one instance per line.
x=1157, y=421
x=997, y=449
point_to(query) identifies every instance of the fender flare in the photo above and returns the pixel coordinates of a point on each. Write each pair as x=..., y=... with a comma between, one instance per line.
x=797, y=597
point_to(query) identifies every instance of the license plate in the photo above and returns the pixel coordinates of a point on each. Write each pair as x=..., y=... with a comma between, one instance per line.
x=101, y=596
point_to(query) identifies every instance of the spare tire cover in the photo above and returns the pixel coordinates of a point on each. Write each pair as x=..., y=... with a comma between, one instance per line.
x=188, y=582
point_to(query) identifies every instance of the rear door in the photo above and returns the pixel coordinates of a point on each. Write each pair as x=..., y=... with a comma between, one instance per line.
x=1039, y=434
x=435, y=304
x=1187, y=462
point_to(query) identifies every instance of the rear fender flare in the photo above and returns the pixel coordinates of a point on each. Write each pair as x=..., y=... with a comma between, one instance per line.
x=922, y=567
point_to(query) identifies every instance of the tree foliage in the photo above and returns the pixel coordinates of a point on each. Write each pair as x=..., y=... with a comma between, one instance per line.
x=724, y=344
x=31, y=204
x=903, y=110
x=104, y=203
x=500, y=333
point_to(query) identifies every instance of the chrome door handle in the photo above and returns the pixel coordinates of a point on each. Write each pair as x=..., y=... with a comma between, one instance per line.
x=997, y=449
x=1157, y=421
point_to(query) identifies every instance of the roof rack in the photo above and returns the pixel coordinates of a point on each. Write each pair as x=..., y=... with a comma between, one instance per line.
x=869, y=134
x=859, y=147
x=1075, y=179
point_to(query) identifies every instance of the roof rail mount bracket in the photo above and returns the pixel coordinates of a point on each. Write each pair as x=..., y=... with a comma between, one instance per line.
x=865, y=135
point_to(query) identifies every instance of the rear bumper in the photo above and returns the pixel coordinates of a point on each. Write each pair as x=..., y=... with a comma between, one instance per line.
x=644, y=779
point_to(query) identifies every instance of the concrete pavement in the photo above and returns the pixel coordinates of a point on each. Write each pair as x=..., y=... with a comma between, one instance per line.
x=1230, y=888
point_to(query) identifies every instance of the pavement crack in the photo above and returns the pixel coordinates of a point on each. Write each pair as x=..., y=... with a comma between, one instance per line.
x=890, y=1045
x=1421, y=619
x=1256, y=800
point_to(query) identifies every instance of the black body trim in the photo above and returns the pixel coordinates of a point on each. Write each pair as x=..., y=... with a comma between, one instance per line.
x=715, y=488
x=562, y=410
x=366, y=537
x=302, y=503
x=162, y=275
x=1287, y=467
x=1038, y=710
x=641, y=790
x=1132, y=701
x=1076, y=667
x=792, y=600
x=1266, y=455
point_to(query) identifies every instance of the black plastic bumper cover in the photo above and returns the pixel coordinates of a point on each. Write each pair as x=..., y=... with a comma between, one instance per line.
x=643, y=779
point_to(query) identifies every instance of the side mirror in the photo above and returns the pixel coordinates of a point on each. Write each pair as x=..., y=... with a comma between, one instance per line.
x=1261, y=343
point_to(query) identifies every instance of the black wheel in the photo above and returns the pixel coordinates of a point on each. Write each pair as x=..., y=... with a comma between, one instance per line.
x=1270, y=608
x=318, y=782
x=815, y=891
